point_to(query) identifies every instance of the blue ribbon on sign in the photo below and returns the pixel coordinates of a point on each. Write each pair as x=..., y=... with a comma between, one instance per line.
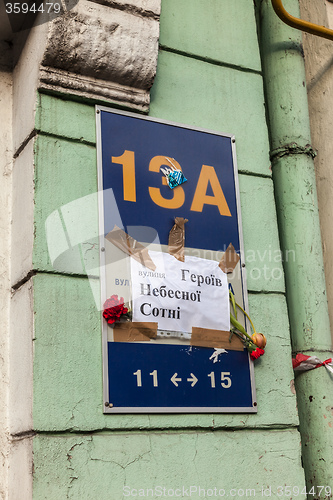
x=174, y=175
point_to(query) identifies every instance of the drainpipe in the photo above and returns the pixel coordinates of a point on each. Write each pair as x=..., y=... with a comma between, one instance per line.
x=300, y=24
x=298, y=219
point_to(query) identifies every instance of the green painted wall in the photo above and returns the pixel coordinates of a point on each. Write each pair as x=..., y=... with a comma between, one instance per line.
x=208, y=75
x=98, y=466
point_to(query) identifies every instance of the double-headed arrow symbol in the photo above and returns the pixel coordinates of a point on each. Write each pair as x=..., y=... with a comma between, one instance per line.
x=192, y=379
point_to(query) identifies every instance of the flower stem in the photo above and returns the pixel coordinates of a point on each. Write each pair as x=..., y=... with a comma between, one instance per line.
x=248, y=317
x=239, y=326
x=248, y=343
x=233, y=302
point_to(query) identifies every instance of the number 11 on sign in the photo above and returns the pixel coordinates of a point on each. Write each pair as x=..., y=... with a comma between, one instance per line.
x=139, y=378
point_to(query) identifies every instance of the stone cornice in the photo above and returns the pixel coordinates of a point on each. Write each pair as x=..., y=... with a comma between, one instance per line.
x=103, y=52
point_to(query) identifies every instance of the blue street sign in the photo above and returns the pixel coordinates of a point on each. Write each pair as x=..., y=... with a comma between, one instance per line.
x=134, y=156
x=164, y=376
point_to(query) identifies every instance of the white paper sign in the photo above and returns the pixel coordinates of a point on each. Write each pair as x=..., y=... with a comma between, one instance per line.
x=180, y=295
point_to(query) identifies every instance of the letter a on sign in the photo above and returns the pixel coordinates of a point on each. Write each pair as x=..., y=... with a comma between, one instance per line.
x=208, y=177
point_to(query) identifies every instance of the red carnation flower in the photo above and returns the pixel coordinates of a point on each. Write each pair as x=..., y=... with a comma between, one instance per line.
x=257, y=353
x=114, y=309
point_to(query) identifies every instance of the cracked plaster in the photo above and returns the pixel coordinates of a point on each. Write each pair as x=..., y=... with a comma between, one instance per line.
x=92, y=465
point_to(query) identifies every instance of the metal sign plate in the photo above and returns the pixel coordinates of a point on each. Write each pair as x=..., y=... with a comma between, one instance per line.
x=165, y=373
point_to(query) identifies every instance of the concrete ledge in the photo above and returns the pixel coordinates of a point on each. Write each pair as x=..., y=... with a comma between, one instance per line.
x=104, y=53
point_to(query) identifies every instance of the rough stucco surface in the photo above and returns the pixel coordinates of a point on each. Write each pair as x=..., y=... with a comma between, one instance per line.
x=222, y=31
x=69, y=119
x=302, y=191
x=99, y=465
x=58, y=162
x=78, y=451
x=319, y=73
x=5, y=203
